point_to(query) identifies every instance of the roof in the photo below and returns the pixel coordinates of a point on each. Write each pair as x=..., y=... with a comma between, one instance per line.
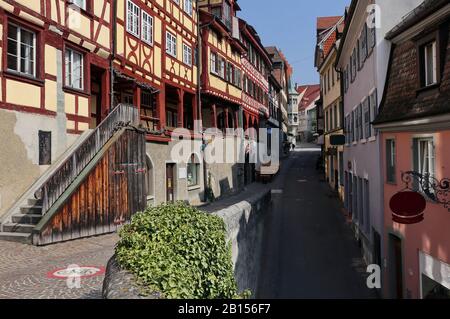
x=349, y=12
x=421, y=12
x=277, y=56
x=324, y=23
x=310, y=92
x=401, y=100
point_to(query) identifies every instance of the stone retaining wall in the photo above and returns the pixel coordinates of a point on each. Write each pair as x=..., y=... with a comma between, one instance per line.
x=244, y=220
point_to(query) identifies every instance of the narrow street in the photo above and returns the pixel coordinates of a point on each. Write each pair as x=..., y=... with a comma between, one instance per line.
x=309, y=250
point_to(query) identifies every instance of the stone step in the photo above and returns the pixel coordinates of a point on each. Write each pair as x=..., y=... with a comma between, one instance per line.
x=18, y=228
x=34, y=210
x=16, y=237
x=34, y=202
x=32, y=219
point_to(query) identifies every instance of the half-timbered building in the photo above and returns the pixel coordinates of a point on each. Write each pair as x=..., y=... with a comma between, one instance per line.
x=155, y=69
x=54, y=83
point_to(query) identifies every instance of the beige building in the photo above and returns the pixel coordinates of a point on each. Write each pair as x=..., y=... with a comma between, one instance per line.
x=332, y=109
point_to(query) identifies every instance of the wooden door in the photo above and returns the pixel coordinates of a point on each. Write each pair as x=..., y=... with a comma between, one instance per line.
x=396, y=267
x=170, y=182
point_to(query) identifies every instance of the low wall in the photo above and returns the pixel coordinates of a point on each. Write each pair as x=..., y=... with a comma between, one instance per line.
x=245, y=226
x=244, y=221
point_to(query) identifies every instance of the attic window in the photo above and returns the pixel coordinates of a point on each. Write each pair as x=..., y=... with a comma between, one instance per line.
x=429, y=63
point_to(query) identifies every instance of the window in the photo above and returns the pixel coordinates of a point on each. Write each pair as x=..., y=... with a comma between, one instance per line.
x=171, y=44
x=429, y=62
x=132, y=18
x=217, y=11
x=366, y=113
x=227, y=14
x=214, y=66
x=361, y=121
x=229, y=73
x=341, y=168
x=193, y=171
x=373, y=110
x=353, y=66
x=364, y=50
x=74, y=68
x=171, y=118
x=187, y=54
x=80, y=3
x=45, y=148
x=371, y=33
x=147, y=28
x=238, y=78
x=222, y=68
x=21, y=50
x=390, y=161
x=423, y=149
x=188, y=7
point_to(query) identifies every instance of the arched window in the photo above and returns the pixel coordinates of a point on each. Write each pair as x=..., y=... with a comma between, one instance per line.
x=193, y=171
x=149, y=178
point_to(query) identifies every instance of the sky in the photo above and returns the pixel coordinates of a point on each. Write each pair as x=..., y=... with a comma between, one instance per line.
x=291, y=26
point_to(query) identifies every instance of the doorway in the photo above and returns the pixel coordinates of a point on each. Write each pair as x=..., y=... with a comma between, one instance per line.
x=395, y=267
x=170, y=182
x=96, y=100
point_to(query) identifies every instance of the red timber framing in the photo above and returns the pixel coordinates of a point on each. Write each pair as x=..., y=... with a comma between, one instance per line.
x=255, y=102
x=150, y=73
x=222, y=105
x=49, y=21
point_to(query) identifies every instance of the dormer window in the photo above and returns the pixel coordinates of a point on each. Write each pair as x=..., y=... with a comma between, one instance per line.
x=429, y=63
x=227, y=14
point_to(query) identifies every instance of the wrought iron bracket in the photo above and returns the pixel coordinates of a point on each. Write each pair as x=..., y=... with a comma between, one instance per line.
x=437, y=191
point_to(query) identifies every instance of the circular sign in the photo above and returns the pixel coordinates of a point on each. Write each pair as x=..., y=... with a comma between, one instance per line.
x=76, y=271
x=408, y=207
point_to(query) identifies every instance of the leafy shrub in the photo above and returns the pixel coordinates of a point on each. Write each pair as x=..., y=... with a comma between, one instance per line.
x=179, y=251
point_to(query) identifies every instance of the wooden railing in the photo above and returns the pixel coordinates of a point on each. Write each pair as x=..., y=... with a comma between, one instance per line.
x=68, y=171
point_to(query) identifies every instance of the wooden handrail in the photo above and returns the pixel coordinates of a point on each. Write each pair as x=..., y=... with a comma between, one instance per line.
x=65, y=173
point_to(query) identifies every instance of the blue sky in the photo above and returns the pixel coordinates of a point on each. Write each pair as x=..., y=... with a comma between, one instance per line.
x=290, y=25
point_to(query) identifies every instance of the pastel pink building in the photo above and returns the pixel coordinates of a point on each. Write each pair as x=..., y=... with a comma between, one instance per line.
x=414, y=125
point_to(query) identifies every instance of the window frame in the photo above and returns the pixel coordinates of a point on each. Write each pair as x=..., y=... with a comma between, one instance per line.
x=139, y=22
x=83, y=64
x=173, y=41
x=187, y=55
x=391, y=161
x=434, y=36
x=151, y=27
x=18, y=71
x=190, y=9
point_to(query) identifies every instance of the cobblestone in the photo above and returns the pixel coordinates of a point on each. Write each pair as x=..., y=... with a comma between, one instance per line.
x=24, y=268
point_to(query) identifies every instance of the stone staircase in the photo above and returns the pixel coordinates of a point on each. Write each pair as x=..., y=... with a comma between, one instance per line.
x=25, y=215
x=22, y=223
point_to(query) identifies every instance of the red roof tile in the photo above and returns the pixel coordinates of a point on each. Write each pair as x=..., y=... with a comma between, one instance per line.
x=327, y=22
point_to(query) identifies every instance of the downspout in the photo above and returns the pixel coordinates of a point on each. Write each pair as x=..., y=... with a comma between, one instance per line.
x=113, y=55
x=199, y=99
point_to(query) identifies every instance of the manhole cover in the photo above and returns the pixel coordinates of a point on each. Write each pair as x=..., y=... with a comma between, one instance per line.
x=76, y=271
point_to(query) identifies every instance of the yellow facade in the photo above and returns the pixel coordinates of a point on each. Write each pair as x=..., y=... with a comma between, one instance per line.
x=42, y=92
x=151, y=60
x=224, y=50
x=332, y=101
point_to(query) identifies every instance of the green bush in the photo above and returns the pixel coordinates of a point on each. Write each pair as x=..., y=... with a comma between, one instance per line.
x=180, y=252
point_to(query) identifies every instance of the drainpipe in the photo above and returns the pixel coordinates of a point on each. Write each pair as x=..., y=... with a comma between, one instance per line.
x=199, y=97
x=113, y=56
